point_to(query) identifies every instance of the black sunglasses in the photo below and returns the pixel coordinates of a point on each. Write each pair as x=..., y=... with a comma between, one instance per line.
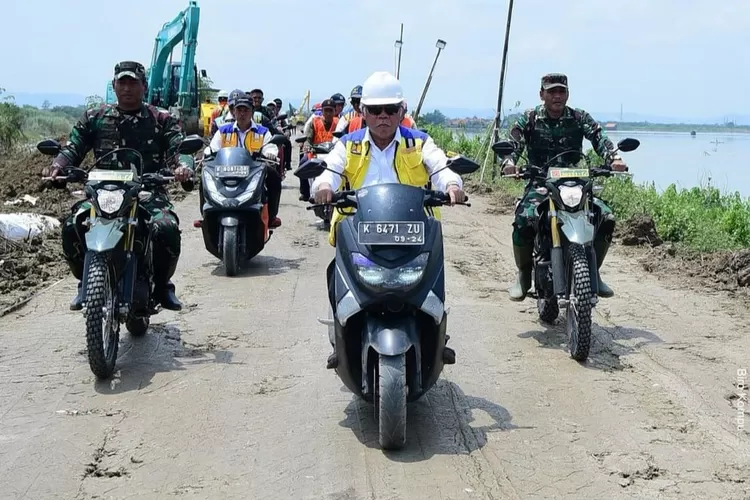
x=390, y=109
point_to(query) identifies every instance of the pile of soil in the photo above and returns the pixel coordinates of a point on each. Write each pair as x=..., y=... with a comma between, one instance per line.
x=638, y=230
x=27, y=266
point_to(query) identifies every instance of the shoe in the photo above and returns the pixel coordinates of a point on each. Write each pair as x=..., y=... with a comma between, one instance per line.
x=276, y=222
x=167, y=298
x=77, y=303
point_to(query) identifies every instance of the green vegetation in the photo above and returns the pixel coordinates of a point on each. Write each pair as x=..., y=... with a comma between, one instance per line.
x=698, y=219
x=20, y=125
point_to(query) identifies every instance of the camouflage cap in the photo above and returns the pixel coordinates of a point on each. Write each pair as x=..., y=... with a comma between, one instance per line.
x=552, y=80
x=130, y=69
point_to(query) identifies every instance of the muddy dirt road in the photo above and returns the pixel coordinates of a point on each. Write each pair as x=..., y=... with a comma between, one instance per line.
x=230, y=397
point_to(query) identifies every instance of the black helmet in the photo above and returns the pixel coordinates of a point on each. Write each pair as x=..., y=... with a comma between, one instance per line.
x=338, y=99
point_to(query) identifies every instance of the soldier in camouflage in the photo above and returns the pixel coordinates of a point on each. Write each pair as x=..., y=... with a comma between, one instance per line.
x=156, y=135
x=546, y=131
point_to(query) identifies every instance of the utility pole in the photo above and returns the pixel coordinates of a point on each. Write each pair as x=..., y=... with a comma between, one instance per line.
x=440, y=44
x=399, y=43
x=502, y=79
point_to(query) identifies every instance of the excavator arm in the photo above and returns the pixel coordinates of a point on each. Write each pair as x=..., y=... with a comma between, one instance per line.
x=174, y=85
x=183, y=28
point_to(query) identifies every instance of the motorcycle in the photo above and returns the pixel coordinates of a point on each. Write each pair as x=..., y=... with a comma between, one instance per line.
x=564, y=268
x=234, y=205
x=319, y=151
x=118, y=265
x=389, y=323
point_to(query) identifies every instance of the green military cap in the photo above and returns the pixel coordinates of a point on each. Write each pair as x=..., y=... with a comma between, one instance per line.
x=554, y=80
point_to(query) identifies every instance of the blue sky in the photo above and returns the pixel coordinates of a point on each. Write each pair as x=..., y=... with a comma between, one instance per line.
x=674, y=58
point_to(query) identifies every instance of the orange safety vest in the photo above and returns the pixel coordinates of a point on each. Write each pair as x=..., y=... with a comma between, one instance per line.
x=355, y=123
x=408, y=122
x=320, y=134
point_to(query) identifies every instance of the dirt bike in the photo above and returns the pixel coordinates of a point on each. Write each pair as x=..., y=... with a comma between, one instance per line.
x=319, y=151
x=118, y=266
x=564, y=268
x=389, y=327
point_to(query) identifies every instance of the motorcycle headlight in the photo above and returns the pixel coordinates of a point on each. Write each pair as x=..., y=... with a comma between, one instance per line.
x=379, y=277
x=110, y=201
x=213, y=190
x=250, y=189
x=571, y=195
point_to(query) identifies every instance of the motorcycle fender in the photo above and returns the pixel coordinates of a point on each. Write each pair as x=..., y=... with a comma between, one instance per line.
x=230, y=221
x=389, y=336
x=575, y=227
x=104, y=235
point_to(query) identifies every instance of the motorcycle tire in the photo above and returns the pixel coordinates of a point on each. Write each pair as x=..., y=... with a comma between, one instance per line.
x=102, y=339
x=578, y=325
x=229, y=253
x=390, y=401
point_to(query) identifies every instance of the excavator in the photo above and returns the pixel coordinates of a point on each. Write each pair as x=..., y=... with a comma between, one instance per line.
x=174, y=85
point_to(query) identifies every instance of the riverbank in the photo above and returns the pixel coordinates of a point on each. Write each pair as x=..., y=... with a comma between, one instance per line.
x=698, y=231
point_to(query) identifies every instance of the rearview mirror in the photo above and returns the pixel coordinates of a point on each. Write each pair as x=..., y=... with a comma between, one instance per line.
x=462, y=165
x=503, y=148
x=281, y=116
x=310, y=169
x=49, y=147
x=628, y=144
x=339, y=134
x=300, y=139
x=279, y=139
x=190, y=145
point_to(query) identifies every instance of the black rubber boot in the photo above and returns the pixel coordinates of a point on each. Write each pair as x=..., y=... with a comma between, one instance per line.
x=77, y=303
x=601, y=247
x=522, y=256
x=165, y=295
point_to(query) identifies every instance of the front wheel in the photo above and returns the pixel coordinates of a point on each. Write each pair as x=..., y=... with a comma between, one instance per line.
x=580, y=304
x=390, y=401
x=102, y=323
x=230, y=251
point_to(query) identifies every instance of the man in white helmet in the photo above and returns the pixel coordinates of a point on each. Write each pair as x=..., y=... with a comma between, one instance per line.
x=382, y=152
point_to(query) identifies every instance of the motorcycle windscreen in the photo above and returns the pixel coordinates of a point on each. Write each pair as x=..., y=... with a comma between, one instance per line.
x=390, y=214
x=233, y=162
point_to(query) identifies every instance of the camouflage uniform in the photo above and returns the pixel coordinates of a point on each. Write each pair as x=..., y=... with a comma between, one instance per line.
x=543, y=138
x=156, y=135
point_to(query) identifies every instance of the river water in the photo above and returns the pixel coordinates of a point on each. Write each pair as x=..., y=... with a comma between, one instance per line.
x=677, y=157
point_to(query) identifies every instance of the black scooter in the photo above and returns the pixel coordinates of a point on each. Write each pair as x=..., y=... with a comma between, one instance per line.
x=390, y=319
x=234, y=205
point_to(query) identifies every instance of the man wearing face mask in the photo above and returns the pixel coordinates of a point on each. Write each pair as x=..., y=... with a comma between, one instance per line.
x=546, y=131
x=382, y=152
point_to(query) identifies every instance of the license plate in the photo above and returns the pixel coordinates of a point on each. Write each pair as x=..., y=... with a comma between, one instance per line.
x=232, y=170
x=565, y=173
x=110, y=175
x=390, y=233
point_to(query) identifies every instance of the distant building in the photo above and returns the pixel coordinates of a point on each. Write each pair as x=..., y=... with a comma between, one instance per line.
x=610, y=126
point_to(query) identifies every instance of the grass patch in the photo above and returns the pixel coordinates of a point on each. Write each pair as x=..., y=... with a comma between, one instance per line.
x=699, y=219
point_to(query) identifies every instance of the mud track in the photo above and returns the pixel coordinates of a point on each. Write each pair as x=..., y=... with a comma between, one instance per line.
x=230, y=398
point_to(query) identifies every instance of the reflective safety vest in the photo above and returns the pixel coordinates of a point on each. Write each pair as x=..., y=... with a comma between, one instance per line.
x=253, y=138
x=356, y=122
x=407, y=163
x=408, y=122
x=320, y=134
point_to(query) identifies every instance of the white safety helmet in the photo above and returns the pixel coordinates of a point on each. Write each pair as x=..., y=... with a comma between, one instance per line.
x=223, y=94
x=382, y=88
